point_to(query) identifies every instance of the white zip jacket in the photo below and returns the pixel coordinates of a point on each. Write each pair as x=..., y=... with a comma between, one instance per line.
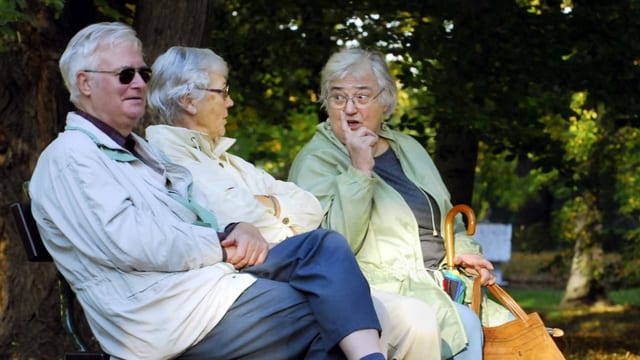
x=226, y=184
x=151, y=283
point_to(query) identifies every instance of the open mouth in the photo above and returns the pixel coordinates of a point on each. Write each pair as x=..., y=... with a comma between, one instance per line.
x=353, y=124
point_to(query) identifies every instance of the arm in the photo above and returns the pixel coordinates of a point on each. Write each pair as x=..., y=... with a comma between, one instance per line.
x=108, y=212
x=346, y=194
x=292, y=206
x=240, y=192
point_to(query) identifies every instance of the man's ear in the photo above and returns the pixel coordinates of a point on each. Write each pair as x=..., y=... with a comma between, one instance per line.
x=84, y=85
x=187, y=104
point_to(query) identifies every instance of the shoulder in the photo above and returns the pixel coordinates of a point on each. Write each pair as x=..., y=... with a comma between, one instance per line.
x=70, y=147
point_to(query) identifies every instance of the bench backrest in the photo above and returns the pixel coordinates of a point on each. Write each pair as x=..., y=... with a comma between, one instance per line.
x=37, y=252
x=33, y=245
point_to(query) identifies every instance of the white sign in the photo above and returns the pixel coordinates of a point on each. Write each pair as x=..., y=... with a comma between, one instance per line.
x=495, y=240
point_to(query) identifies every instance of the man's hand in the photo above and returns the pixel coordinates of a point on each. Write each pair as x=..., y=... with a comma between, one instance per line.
x=245, y=246
x=477, y=265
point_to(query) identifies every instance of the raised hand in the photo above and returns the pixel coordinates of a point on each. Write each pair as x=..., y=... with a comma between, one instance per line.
x=360, y=142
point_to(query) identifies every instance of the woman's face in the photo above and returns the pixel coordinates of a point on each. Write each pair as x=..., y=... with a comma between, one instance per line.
x=356, y=115
x=211, y=111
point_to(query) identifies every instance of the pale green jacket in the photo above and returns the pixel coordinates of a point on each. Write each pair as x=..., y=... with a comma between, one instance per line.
x=378, y=223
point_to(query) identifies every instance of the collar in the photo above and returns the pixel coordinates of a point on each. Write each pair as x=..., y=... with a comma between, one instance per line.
x=126, y=142
x=192, y=138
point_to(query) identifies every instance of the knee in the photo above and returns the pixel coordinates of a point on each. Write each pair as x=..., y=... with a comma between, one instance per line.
x=418, y=318
x=410, y=329
x=470, y=320
x=409, y=317
x=332, y=239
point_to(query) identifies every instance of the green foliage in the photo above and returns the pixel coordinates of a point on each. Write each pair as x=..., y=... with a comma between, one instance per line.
x=119, y=11
x=548, y=88
x=14, y=13
x=270, y=147
x=531, y=79
x=498, y=182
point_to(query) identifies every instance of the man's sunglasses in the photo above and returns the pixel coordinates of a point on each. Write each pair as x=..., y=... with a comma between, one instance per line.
x=126, y=75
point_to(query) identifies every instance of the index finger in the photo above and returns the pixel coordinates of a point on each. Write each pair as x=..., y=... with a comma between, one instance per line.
x=344, y=123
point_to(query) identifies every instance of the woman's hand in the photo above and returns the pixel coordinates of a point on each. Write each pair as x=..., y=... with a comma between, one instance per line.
x=361, y=144
x=477, y=265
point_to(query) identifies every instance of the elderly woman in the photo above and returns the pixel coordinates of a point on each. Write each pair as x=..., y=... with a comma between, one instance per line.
x=189, y=95
x=381, y=189
x=190, y=90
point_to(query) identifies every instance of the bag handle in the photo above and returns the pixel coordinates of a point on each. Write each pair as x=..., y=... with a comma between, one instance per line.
x=500, y=295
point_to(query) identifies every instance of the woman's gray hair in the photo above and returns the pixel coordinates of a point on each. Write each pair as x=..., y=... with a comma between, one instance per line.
x=359, y=63
x=177, y=73
x=80, y=52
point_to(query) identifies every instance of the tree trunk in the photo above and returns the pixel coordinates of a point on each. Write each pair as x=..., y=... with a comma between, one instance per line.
x=585, y=286
x=165, y=23
x=33, y=107
x=456, y=156
x=32, y=101
x=582, y=288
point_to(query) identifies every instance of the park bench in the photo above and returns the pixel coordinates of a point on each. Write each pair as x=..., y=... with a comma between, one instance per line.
x=36, y=252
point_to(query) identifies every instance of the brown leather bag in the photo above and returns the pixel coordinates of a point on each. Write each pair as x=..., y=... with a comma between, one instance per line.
x=524, y=338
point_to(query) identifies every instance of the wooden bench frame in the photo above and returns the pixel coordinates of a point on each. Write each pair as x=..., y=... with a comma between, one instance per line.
x=37, y=252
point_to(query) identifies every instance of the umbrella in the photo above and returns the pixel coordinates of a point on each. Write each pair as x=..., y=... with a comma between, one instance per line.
x=453, y=283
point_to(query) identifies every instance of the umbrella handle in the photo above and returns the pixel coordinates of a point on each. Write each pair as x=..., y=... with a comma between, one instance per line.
x=448, y=230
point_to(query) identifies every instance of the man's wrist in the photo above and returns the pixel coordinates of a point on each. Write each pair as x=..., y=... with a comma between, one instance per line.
x=229, y=228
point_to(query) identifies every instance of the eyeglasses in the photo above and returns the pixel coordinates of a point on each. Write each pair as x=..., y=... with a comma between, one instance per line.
x=339, y=100
x=224, y=91
x=126, y=75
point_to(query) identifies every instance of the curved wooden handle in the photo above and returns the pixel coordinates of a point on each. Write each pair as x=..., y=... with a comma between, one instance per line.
x=448, y=230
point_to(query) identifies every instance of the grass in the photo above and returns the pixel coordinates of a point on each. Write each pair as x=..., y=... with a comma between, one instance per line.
x=591, y=333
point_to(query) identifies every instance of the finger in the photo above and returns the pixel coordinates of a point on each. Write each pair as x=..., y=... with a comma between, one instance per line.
x=344, y=123
x=240, y=253
x=252, y=257
x=487, y=277
x=261, y=257
x=260, y=253
x=228, y=242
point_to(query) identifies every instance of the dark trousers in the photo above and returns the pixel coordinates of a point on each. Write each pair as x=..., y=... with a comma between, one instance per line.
x=309, y=295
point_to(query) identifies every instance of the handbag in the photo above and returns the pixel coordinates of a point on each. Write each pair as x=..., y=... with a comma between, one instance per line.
x=525, y=337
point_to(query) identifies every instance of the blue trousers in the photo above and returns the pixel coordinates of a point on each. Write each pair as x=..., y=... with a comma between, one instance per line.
x=309, y=295
x=473, y=328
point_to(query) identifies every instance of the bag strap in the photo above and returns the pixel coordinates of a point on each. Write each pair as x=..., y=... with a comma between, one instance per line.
x=500, y=295
x=476, y=295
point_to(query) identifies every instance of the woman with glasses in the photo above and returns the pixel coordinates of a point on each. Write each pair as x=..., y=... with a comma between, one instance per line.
x=189, y=96
x=381, y=189
x=189, y=99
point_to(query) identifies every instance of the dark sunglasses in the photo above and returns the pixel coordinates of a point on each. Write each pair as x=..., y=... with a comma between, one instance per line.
x=126, y=75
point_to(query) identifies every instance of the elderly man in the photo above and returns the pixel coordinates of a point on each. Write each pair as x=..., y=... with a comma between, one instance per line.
x=152, y=271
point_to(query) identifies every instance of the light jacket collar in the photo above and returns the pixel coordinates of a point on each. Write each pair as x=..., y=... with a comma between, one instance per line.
x=196, y=139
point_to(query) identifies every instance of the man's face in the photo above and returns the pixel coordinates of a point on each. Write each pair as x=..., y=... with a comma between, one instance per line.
x=118, y=105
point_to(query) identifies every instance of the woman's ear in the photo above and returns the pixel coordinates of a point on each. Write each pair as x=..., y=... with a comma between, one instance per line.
x=187, y=104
